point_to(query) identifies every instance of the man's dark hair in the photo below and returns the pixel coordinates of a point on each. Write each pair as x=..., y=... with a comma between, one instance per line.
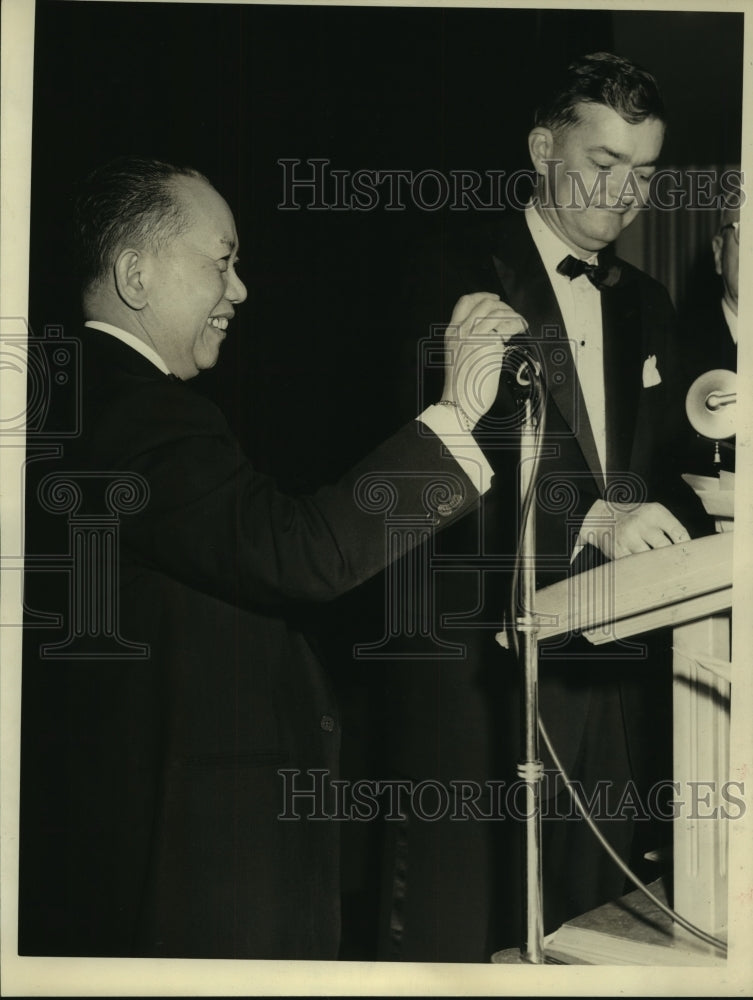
x=601, y=78
x=130, y=201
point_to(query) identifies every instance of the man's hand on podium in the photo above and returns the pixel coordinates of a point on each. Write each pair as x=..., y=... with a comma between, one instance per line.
x=622, y=529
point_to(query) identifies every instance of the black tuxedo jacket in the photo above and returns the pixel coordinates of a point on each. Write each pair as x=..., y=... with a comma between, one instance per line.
x=642, y=419
x=706, y=339
x=150, y=786
x=644, y=422
x=643, y=426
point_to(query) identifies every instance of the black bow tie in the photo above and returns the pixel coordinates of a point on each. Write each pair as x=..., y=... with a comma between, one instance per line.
x=598, y=274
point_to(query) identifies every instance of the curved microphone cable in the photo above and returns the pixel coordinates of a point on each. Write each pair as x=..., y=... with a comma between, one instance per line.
x=531, y=366
x=676, y=917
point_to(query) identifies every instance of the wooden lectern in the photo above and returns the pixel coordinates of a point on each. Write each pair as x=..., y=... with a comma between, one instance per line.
x=687, y=587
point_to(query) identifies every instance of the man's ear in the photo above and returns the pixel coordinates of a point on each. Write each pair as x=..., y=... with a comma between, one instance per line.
x=129, y=278
x=540, y=148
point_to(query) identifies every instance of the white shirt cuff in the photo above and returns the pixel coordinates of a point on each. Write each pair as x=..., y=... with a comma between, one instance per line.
x=446, y=423
x=598, y=516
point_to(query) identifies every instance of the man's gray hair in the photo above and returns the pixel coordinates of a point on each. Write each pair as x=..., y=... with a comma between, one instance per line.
x=130, y=201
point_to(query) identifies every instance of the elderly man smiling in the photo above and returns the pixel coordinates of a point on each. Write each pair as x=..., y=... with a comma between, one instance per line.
x=151, y=789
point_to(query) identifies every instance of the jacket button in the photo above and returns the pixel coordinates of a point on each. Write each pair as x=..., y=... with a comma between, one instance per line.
x=327, y=723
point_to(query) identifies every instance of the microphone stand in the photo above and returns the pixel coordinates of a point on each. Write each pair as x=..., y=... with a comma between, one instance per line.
x=531, y=768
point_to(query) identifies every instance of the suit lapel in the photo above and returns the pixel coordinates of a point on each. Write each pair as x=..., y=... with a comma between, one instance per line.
x=727, y=346
x=526, y=287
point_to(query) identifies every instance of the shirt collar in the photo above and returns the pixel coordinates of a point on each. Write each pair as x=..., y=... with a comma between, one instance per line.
x=731, y=319
x=132, y=341
x=552, y=249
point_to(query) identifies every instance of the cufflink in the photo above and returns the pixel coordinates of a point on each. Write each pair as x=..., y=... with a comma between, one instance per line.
x=447, y=507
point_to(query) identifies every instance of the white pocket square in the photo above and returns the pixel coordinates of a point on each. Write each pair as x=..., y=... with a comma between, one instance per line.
x=651, y=374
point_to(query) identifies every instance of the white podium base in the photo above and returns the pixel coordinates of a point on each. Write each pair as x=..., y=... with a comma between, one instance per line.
x=628, y=931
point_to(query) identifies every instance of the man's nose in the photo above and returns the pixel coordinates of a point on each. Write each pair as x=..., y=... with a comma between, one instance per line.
x=620, y=189
x=236, y=290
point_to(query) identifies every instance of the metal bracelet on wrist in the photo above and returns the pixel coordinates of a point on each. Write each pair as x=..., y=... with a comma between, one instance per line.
x=463, y=415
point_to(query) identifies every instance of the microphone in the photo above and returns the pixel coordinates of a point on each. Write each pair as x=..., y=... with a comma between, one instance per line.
x=710, y=404
x=522, y=367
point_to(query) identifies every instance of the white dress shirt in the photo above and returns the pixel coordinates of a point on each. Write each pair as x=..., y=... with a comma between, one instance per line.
x=445, y=422
x=580, y=304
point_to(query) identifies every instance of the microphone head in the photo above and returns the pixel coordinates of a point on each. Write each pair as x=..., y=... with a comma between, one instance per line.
x=707, y=414
x=521, y=366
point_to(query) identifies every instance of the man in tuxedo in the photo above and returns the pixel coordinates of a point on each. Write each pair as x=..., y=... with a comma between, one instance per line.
x=173, y=725
x=709, y=331
x=603, y=334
